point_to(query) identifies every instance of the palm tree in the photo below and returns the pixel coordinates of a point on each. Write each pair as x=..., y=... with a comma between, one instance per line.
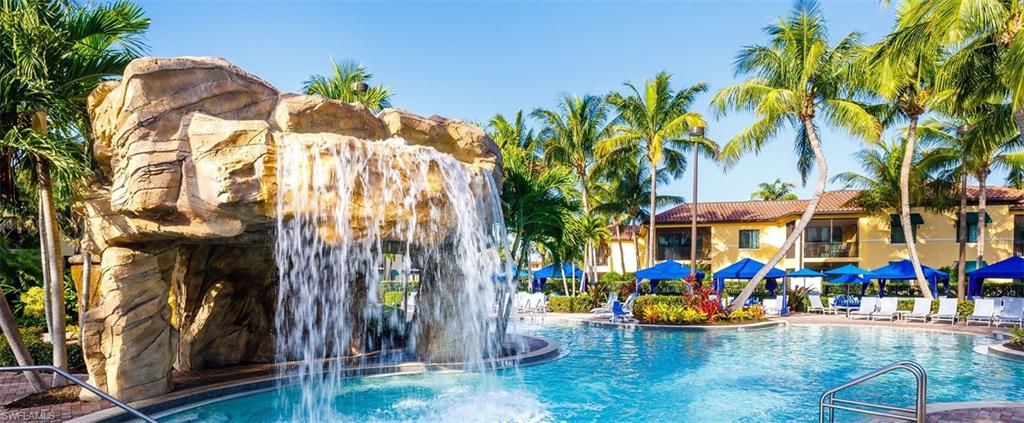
x=987, y=60
x=536, y=200
x=52, y=55
x=626, y=192
x=774, y=191
x=349, y=83
x=570, y=134
x=905, y=76
x=795, y=78
x=655, y=123
x=879, y=184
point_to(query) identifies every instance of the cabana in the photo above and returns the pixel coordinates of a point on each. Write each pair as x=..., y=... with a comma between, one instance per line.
x=849, y=274
x=809, y=278
x=745, y=270
x=1011, y=268
x=664, y=271
x=903, y=270
x=565, y=270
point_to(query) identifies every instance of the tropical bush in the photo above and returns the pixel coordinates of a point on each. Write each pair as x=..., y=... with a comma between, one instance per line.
x=756, y=312
x=740, y=315
x=965, y=308
x=1016, y=339
x=577, y=304
x=41, y=351
x=393, y=298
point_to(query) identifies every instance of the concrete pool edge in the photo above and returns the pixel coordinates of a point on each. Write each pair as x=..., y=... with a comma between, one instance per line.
x=691, y=328
x=542, y=351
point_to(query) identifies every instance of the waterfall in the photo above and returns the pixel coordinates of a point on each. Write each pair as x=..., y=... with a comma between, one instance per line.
x=344, y=204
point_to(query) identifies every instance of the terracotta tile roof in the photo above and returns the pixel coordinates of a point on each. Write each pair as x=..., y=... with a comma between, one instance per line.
x=833, y=202
x=627, y=232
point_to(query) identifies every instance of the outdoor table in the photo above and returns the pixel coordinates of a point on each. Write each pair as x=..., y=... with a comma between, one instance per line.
x=901, y=313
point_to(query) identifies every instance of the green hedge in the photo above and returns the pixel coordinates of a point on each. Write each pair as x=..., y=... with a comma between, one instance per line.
x=577, y=304
x=393, y=298
x=41, y=352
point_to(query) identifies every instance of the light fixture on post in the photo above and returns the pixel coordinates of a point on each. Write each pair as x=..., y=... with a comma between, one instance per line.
x=695, y=133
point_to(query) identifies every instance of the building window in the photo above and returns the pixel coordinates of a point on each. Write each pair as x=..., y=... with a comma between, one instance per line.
x=749, y=239
x=972, y=226
x=896, y=228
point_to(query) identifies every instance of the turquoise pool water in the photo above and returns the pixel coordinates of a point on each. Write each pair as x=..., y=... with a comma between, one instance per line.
x=619, y=375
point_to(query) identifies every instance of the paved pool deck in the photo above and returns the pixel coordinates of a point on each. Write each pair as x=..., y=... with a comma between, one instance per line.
x=14, y=386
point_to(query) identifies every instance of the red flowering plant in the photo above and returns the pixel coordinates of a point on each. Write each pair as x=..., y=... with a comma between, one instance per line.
x=703, y=299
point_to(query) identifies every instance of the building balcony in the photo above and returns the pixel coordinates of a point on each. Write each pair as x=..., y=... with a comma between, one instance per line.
x=830, y=250
x=682, y=253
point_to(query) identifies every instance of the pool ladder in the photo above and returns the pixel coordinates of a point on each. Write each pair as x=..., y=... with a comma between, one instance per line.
x=829, y=403
x=84, y=385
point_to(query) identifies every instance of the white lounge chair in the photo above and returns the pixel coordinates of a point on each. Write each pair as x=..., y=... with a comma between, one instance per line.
x=606, y=307
x=540, y=304
x=866, y=309
x=817, y=305
x=922, y=310
x=1012, y=312
x=771, y=306
x=887, y=309
x=947, y=311
x=984, y=311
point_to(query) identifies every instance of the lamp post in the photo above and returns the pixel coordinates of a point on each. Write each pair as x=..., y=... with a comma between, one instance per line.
x=961, y=270
x=695, y=132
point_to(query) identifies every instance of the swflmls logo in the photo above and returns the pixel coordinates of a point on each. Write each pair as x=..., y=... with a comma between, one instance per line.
x=27, y=415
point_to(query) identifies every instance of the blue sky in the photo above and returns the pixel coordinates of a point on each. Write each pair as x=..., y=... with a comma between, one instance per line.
x=472, y=60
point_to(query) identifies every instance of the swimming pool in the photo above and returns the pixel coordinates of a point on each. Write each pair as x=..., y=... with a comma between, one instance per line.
x=612, y=374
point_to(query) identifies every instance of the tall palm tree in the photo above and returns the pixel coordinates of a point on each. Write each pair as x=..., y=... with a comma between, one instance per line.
x=52, y=55
x=905, y=76
x=349, y=82
x=987, y=60
x=796, y=78
x=570, y=133
x=626, y=192
x=654, y=121
x=879, y=183
x=774, y=191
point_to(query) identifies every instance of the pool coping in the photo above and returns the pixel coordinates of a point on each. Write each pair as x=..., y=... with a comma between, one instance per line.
x=196, y=396
x=1001, y=351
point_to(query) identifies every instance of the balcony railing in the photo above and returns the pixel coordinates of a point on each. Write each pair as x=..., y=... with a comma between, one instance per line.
x=830, y=249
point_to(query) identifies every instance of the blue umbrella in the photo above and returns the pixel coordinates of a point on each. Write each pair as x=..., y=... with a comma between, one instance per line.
x=806, y=273
x=848, y=279
x=849, y=269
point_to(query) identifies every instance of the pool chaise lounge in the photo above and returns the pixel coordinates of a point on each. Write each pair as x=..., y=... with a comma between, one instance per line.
x=984, y=311
x=866, y=309
x=886, y=309
x=922, y=310
x=1012, y=312
x=818, y=306
x=947, y=310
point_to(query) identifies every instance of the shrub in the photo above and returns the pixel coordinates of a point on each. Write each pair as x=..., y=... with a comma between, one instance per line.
x=756, y=311
x=798, y=298
x=582, y=303
x=740, y=315
x=41, y=352
x=965, y=308
x=692, y=317
x=1016, y=339
x=33, y=302
x=393, y=298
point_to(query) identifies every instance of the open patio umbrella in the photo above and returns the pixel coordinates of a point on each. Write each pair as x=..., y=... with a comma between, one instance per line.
x=849, y=279
x=1011, y=268
x=903, y=270
x=807, y=278
x=848, y=269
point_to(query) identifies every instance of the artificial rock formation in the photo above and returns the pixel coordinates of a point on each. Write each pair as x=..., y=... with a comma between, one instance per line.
x=183, y=210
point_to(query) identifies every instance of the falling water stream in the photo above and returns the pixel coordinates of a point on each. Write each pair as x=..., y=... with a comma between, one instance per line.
x=344, y=207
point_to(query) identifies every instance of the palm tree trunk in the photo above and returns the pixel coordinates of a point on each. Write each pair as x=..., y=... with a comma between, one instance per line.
x=86, y=289
x=908, y=230
x=55, y=270
x=652, y=236
x=44, y=257
x=801, y=224
x=982, y=200
x=21, y=355
x=961, y=293
x=1018, y=116
x=53, y=259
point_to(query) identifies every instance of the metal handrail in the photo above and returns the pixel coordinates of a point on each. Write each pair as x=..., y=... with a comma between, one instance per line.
x=915, y=414
x=84, y=385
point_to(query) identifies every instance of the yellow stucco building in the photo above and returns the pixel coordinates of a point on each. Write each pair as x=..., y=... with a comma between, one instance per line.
x=840, y=233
